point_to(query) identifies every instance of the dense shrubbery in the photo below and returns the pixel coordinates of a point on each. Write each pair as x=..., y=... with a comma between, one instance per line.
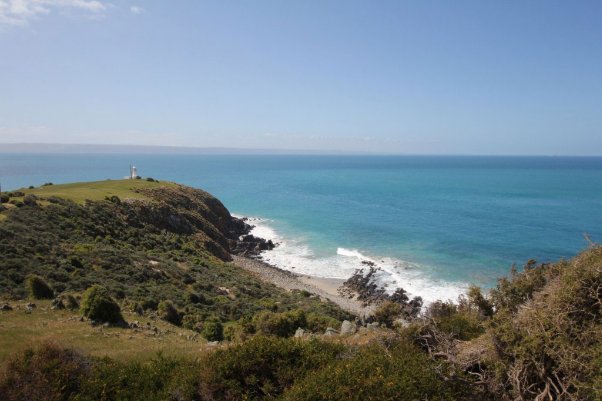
x=550, y=347
x=48, y=373
x=399, y=371
x=51, y=373
x=547, y=347
x=263, y=367
x=97, y=304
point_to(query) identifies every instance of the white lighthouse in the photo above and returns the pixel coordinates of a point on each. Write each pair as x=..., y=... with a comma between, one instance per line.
x=133, y=172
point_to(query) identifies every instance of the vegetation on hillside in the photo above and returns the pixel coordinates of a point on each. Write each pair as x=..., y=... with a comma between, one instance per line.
x=159, y=248
x=163, y=257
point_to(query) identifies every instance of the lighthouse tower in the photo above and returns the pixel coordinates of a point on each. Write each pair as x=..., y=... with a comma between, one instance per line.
x=133, y=172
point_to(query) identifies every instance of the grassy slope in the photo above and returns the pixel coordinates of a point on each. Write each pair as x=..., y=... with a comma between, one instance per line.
x=19, y=330
x=98, y=190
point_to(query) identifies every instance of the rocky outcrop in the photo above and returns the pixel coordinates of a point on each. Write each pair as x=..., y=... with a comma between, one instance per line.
x=185, y=210
x=249, y=245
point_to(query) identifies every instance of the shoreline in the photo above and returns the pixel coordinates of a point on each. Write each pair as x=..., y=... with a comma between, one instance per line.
x=325, y=288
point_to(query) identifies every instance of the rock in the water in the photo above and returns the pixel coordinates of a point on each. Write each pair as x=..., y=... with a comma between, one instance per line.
x=300, y=332
x=348, y=327
x=249, y=245
x=6, y=307
x=330, y=332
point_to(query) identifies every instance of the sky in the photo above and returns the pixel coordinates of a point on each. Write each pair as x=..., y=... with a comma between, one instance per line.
x=409, y=77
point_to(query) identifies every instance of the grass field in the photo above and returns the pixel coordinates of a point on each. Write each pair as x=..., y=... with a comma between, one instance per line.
x=18, y=330
x=98, y=190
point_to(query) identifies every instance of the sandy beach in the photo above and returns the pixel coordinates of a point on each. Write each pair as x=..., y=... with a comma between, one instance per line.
x=323, y=287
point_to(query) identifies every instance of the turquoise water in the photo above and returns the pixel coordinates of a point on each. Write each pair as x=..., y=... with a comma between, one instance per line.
x=432, y=224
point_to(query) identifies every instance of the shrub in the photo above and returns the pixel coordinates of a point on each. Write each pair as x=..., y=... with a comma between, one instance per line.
x=4, y=198
x=283, y=324
x=552, y=347
x=213, y=331
x=38, y=288
x=158, y=379
x=168, y=312
x=30, y=200
x=97, y=304
x=45, y=373
x=378, y=372
x=262, y=367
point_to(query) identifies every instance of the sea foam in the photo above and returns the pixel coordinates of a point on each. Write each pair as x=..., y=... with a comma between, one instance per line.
x=294, y=254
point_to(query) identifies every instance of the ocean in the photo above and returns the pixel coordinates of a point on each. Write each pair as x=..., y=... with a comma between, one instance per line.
x=432, y=224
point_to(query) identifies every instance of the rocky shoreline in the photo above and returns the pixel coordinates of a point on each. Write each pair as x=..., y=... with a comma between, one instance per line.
x=246, y=251
x=323, y=287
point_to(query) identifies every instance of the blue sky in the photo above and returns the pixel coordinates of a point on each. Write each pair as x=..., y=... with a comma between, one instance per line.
x=445, y=77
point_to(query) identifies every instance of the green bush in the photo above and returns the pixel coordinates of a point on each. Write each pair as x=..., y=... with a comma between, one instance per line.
x=168, y=312
x=262, y=367
x=45, y=373
x=158, y=379
x=213, y=331
x=281, y=324
x=51, y=373
x=38, y=288
x=378, y=372
x=4, y=198
x=97, y=304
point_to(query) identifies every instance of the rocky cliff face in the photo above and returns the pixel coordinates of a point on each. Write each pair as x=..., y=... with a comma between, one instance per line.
x=190, y=211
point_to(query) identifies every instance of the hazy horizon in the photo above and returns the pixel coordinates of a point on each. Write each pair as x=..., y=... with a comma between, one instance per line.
x=428, y=78
x=76, y=148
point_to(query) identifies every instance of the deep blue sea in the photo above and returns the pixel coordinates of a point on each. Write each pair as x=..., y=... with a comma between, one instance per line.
x=432, y=224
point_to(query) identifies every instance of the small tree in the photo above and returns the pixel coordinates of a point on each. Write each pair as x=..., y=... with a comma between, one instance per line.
x=38, y=288
x=97, y=304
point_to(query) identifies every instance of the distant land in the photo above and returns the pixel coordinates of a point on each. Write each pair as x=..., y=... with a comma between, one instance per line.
x=127, y=149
